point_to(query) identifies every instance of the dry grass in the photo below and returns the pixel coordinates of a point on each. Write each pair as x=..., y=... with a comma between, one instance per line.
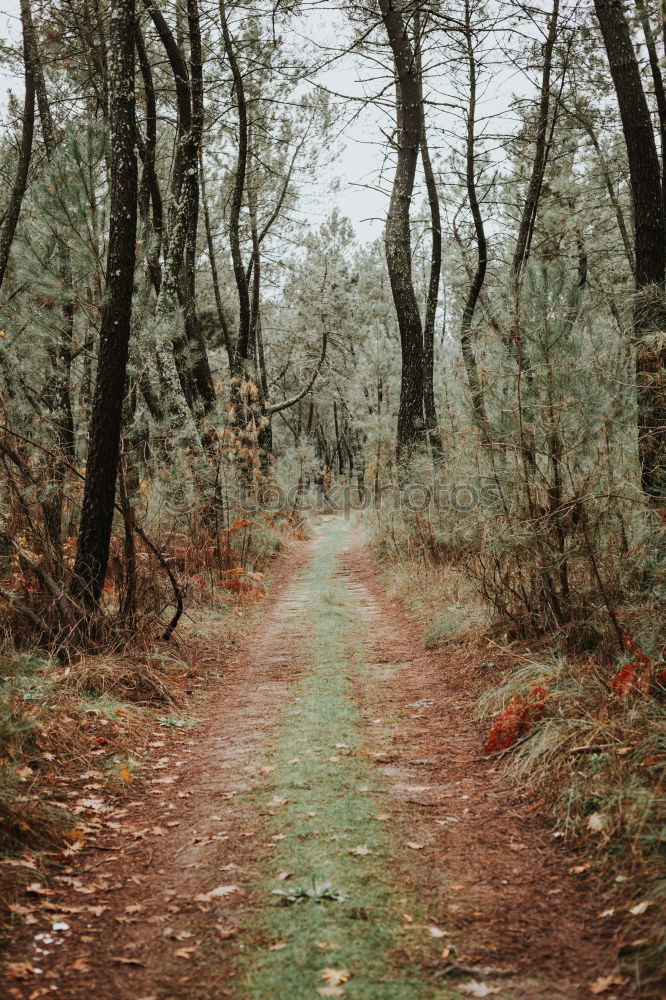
x=595, y=762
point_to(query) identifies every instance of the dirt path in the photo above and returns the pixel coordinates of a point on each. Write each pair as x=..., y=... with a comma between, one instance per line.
x=330, y=830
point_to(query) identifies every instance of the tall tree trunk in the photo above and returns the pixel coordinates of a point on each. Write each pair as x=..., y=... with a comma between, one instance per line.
x=429, y=408
x=479, y=275
x=243, y=341
x=25, y=150
x=658, y=81
x=177, y=287
x=92, y=553
x=58, y=395
x=397, y=238
x=650, y=255
x=529, y=213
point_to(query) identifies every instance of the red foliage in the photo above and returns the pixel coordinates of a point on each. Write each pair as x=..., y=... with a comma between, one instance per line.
x=516, y=720
x=634, y=677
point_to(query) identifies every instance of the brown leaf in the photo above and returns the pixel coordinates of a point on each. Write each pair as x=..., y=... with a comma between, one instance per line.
x=227, y=932
x=19, y=970
x=604, y=983
x=39, y=890
x=335, y=977
x=415, y=846
x=81, y=964
x=186, y=953
x=221, y=890
x=360, y=850
x=278, y=945
x=121, y=960
x=331, y=991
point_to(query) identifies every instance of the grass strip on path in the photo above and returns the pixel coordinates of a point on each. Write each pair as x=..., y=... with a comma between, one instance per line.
x=332, y=836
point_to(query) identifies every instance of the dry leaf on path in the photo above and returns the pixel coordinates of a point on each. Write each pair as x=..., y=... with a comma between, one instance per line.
x=436, y=932
x=227, y=932
x=639, y=908
x=595, y=823
x=360, y=849
x=19, y=970
x=604, y=983
x=414, y=845
x=331, y=991
x=335, y=977
x=278, y=945
x=476, y=989
x=186, y=953
x=221, y=890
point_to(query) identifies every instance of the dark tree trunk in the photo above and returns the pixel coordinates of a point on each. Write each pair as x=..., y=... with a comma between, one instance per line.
x=528, y=218
x=397, y=238
x=243, y=341
x=429, y=408
x=177, y=287
x=150, y=196
x=479, y=275
x=25, y=150
x=658, y=81
x=92, y=553
x=650, y=254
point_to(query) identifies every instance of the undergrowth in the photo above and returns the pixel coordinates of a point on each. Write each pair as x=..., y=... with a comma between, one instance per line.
x=591, y=757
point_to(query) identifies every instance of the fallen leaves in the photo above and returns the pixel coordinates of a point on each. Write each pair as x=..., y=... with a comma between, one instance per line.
x=605, y=983
x=639, y=908
x=414, y=845
x=361, y=850
x=478, y=989
x=219, y=892
x=335, y=977
x=19, y=970
x=224, y=933
x=186, y=953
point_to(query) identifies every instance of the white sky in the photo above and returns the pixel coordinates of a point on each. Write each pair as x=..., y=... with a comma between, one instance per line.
x=361, y=148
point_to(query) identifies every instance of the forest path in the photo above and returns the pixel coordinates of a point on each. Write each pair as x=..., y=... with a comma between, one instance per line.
x=329, y=831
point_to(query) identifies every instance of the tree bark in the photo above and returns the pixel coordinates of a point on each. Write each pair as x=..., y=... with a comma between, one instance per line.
x=650, y=253
x=478, y=278
x=528, y=218
x=397, y=237
x=104, y=445
x=243, y=346
x=429, y=407
x=13, y=211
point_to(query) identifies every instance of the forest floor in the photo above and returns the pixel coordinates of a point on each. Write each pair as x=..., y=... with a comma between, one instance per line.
x=329, y=829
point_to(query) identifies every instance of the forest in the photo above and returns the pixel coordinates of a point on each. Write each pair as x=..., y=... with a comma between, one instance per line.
x=333, y=499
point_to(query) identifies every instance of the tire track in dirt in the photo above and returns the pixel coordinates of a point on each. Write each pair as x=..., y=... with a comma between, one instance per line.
x=520, y=919
x=187, y=832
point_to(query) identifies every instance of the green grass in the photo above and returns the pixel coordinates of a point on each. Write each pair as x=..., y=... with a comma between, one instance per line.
x=331, y=809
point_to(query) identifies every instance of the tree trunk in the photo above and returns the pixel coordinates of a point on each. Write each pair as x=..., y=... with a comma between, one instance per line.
x=429, y=408
x=25, y=150
x=92, y=553
x=478, y=278
x=397, y=238
x=528, y=218
x=650, y=254
x=242, y=348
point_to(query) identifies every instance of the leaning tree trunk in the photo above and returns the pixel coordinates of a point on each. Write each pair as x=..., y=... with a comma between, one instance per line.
x=92, y=553
x=397, y=238
x=25, y=151
x=650, y=255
